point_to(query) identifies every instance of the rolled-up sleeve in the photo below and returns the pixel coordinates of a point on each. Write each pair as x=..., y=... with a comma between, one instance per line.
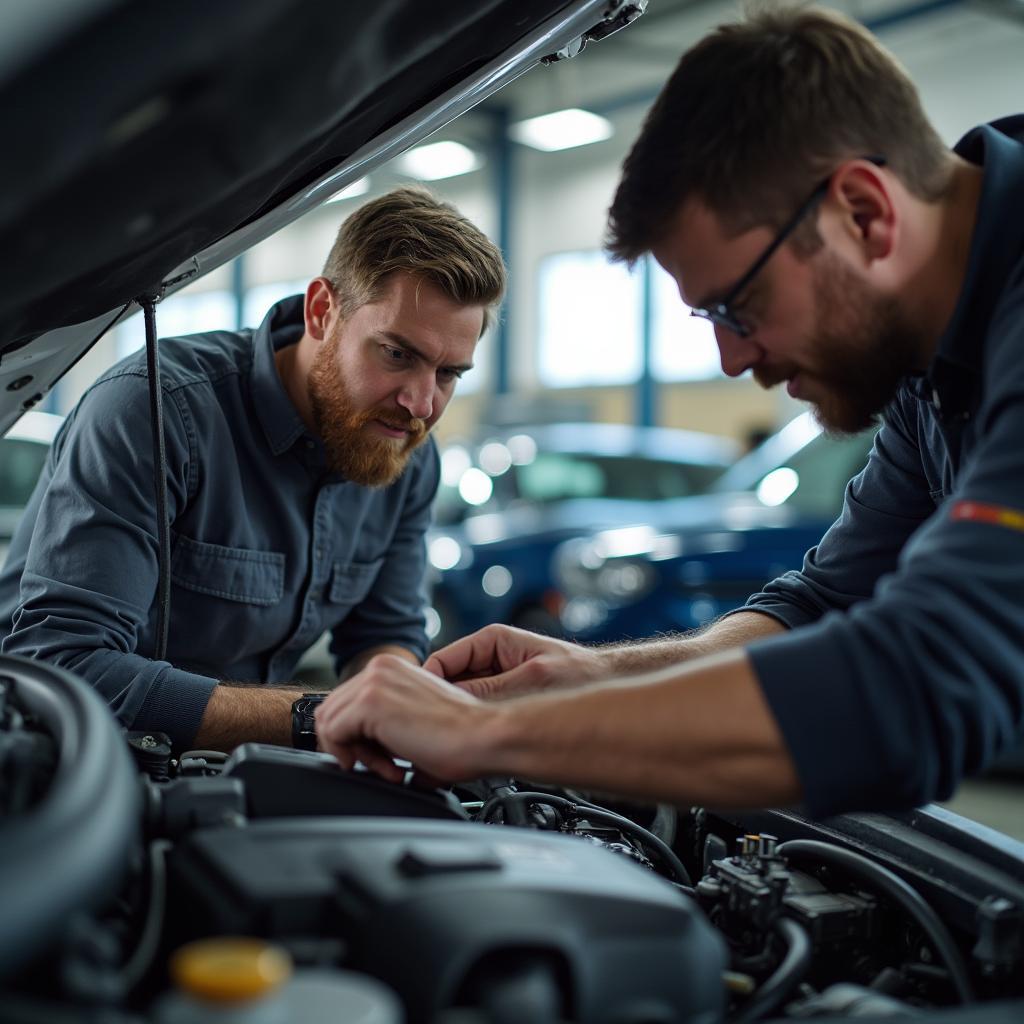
x=89, y=580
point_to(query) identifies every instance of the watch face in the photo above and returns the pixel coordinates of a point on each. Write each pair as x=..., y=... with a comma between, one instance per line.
x=303, y=722
x=307, y=705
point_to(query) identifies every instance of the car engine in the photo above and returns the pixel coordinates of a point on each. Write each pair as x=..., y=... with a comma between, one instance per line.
x=140, y=884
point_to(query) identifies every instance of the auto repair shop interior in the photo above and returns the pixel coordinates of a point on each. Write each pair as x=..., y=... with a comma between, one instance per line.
x=601, y=481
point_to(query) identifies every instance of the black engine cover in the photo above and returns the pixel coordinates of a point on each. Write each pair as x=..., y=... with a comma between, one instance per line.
x=430, y=907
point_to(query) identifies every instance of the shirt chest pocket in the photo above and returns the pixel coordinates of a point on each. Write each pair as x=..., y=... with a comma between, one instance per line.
x=352, y=581
x=233, y=574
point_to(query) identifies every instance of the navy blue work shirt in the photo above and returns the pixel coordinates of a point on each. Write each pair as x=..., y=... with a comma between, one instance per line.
x=269, y=548
x=909, y=671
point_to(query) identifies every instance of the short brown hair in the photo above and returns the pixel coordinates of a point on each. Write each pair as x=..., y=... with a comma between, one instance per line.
x=757, y=113
x=410, y=230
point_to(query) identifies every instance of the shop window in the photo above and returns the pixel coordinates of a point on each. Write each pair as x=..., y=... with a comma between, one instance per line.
x=682, y=346
x=590, y=321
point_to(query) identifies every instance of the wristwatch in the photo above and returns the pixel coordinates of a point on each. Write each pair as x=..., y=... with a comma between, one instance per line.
x=303, y=723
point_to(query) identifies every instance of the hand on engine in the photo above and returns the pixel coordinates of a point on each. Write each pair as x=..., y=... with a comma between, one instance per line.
x=395, y=709
x=499, y=661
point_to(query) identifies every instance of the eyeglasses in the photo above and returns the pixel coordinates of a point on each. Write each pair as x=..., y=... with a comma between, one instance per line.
x=721, y=312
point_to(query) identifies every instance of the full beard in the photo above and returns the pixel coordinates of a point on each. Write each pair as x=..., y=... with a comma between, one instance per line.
x=352, y=449
x=865, y=348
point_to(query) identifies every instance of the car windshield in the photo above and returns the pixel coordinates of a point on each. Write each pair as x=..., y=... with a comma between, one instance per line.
x=556, y=476
x=551, y=477
x=814, y=480
x=800, y=467
x=20, y=465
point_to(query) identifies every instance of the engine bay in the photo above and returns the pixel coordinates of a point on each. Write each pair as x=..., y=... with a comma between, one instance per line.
x=140, y=884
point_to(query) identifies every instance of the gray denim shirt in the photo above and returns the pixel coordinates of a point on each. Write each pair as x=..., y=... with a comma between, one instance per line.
x=907, y=672
x=269, y=549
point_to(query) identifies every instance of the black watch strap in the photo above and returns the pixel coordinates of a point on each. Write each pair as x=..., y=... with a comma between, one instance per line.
x=303, y=722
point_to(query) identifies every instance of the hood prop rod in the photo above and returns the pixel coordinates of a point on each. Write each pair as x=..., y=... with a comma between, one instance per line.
x=163, y=525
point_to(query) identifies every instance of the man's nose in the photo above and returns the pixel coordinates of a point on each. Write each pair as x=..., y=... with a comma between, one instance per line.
x=738, y=354
x=417, y=396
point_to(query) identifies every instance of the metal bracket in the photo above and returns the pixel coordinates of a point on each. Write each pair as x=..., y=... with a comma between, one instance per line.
x=165, y=286
x=618, y=15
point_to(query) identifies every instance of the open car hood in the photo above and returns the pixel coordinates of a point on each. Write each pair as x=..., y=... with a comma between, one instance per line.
x=147, y=144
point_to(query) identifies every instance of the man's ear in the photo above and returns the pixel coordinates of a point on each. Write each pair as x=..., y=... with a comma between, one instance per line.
x=869, y=215
x=320, y=308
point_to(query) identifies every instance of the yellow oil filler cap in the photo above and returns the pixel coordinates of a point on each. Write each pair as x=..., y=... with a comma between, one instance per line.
x=229, y=969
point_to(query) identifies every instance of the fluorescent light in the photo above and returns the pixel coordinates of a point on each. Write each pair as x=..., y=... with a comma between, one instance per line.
x=562, y=129
x=438, y=160
x=357, y=188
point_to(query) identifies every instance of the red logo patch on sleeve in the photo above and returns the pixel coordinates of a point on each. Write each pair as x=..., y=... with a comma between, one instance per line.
x=979, y=512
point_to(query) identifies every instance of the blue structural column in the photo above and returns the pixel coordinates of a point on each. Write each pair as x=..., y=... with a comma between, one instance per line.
x=238, y=289
x=502, y=156
x=647, y=386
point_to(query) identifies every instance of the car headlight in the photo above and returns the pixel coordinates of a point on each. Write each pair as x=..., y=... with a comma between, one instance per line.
x=584, y=570
x=625, y=581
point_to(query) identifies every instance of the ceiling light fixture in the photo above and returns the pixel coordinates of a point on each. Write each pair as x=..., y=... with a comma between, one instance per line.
x=562, y=129
x=438, y=160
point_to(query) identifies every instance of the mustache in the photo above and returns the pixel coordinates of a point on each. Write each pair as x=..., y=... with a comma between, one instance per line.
x=414, y=426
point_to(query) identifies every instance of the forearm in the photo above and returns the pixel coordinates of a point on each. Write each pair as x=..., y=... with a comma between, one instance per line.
x=247, y=714
x=702, y=734
x=726, y=634
x=238, y=713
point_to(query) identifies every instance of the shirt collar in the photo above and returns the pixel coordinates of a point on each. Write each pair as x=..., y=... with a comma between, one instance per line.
x=996, y=242
x=283, y=325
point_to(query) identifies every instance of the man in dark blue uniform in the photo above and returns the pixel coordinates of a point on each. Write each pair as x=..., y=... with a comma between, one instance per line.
x=300, y=473
x=788, y=180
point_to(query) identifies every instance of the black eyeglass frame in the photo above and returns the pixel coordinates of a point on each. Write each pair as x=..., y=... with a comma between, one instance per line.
x=720, y=312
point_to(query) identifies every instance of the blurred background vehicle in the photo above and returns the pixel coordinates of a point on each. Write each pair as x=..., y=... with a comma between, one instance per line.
x=510, y=497
x=23, y=450
x=706, y=555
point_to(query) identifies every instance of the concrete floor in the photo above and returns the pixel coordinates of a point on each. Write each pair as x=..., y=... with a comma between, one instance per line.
x=996, y=802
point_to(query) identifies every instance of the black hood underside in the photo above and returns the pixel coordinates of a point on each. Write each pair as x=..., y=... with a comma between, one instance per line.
x=155, y=129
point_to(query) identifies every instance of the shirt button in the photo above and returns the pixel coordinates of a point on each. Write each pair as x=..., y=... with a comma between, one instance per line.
x=315, y=594
x=310, y=444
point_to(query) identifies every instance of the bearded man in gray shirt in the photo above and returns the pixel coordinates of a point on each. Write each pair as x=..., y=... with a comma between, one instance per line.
x=300, y=476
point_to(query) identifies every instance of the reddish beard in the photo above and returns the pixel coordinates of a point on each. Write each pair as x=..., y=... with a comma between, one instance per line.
x=353, y=450
x=863, y=347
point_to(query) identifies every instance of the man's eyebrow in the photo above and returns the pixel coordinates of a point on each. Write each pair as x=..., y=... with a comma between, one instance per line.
x=403, y=342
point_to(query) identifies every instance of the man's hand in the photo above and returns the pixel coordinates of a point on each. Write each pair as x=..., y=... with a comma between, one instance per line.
x=393, y=708
x=501, y=661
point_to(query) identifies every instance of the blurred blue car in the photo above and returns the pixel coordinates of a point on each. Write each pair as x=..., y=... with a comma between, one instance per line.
x=703, y=556
x=23, y=450
x=508, y=501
